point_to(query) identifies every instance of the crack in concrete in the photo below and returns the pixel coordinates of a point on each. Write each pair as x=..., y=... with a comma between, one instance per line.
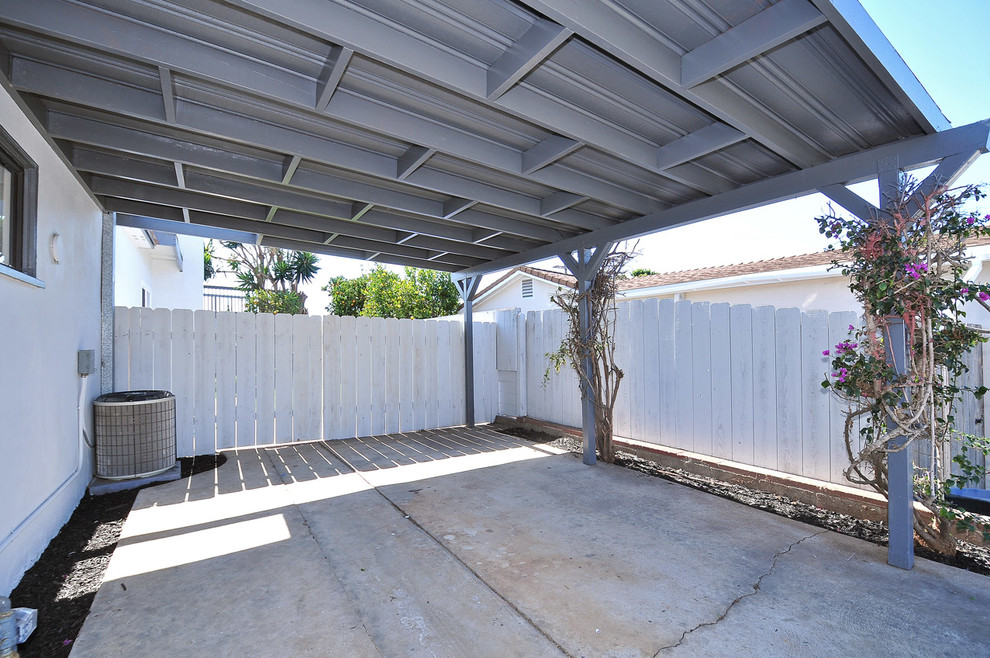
x=756, y=590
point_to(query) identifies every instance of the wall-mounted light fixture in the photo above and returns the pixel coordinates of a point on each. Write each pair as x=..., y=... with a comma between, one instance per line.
x=55, y=247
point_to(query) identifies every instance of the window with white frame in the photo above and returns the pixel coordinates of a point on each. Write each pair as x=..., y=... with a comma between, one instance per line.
x=527, y=288
x=18, y=207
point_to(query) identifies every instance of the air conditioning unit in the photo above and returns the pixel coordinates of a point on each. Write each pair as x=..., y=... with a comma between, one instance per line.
x=135, y=434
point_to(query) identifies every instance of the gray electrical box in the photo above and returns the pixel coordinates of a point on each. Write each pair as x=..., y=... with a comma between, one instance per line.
x=87, y=362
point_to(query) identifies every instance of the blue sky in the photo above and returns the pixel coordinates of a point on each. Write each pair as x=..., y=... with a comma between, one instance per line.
x=944, y=43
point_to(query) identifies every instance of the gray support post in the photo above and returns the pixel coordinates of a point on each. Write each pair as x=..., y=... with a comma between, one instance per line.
x=585, y=268
x=900, y=469
x=106, y=303
x=589, y=430
x=468, y=287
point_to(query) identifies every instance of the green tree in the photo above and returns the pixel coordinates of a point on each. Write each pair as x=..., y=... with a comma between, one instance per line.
x=642, y=271
x=383, y=293
x=209, y=269
x=346, y=295
x=271, y=277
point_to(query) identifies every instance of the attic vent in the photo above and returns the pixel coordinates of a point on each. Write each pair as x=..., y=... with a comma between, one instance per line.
x=527, y=288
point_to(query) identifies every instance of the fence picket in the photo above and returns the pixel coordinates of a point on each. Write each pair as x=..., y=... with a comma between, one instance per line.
x=684, y=376
x=765, y=388
x=283, y=378
x=407, y=374
x=362, y=376
x=376, y=364
x=331, y=376
x=265, y=381
x=205, y=367
x=636, y=371
x=393, y=375
x=742, y=389
x=445, y=412
x=701, y=358
x=668, y=375
x=650, y=430
x=161, y=336
x=721, y=382
x=246, y=361
x=121, y=349
x=430, y=373
x=419, y=367
x=622, y=414
x=535, y=364
x=142, y=342
x=788, y=346
x=457, y=380
x=183, y=382
x=226, y=379
x=815, y=400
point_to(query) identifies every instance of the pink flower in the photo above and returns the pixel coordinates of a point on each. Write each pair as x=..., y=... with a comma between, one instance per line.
x=984, y=296
x=824, y=352
x=964, y=291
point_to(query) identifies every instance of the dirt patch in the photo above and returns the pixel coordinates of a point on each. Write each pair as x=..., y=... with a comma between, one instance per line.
x=63, y=582
x=968, y=557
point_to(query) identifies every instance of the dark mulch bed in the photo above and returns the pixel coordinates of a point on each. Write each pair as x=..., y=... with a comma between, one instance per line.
x=63, y=582
x=969, y=557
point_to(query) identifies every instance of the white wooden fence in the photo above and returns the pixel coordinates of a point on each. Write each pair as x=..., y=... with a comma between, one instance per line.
x=242, y=379
x=734, y=382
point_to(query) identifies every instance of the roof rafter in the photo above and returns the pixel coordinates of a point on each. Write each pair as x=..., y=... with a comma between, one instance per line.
x=79, y=25
x=414, y=158
x=524, y=55
x=547, y=152
x=701, y=142
x=225, y=124
x=375, y=38
x=771, y=27
x=333, y=71
x=601, y=25
x=965, y=141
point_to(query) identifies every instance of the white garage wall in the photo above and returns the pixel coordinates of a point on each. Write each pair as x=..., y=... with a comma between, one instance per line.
x=41, y=329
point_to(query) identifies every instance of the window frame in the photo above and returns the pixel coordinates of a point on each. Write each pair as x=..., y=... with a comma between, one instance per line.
x=24, y=207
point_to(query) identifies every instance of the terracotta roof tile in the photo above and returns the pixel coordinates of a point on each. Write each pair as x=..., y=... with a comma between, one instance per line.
x=700, y=274
x=723, y=271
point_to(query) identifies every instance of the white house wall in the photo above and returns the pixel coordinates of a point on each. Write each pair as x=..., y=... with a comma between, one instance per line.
x=826, y=294
x=510, y=296
x=40, y=332
x=156, y=270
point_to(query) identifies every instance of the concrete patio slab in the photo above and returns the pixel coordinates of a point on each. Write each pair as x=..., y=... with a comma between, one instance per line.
x=466, y=542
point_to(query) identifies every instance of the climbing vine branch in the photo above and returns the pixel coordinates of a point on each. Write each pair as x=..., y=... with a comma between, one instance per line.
x=908, y=266
x=599, y=344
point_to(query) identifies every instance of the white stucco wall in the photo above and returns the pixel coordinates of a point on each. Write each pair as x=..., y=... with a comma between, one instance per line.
x=157, y=271
x=41, y=330
x=510, y=296
x=828, y=294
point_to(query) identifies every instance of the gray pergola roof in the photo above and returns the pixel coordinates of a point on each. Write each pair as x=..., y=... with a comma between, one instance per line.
x=465, y=135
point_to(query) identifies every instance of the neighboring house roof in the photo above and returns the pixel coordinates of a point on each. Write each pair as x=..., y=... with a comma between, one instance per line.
x=547, y=275
x=819, y=260
x=724, y=271
x=682, y=276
